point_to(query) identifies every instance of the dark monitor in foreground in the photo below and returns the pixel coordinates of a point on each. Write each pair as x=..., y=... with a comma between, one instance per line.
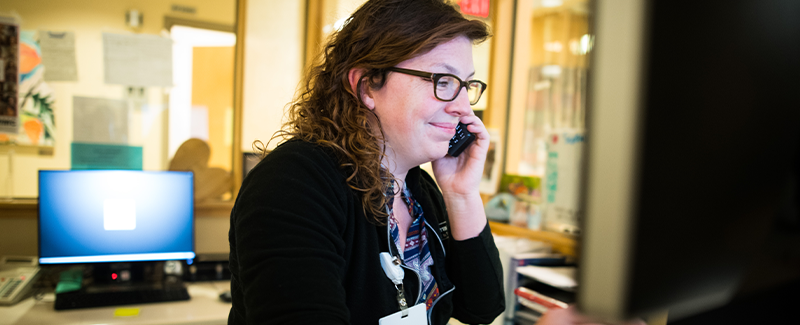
x=105, y=216
x=693, y=157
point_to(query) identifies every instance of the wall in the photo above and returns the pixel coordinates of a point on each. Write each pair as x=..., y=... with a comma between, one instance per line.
x=89, y=19
x=273, y=60
x=519, y=86
x=19, y=234
x=212, y=87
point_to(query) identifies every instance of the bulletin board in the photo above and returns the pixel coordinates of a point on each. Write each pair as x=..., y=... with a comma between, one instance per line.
x=88, y=89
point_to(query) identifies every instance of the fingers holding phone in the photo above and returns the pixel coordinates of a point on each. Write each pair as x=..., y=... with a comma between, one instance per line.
x=460, y=141
x=470, y=128
x=462, y=167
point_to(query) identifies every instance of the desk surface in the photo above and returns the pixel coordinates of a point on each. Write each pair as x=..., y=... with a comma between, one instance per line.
x=205, y=307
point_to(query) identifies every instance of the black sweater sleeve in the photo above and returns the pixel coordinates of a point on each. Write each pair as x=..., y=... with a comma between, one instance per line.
x=474, y=267
x=286, y=241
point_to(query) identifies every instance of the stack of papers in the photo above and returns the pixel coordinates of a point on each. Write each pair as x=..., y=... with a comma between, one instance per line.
x=559, y=277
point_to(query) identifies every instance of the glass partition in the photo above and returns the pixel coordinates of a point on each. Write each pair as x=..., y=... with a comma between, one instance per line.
x=122, y=85
x=556, y=97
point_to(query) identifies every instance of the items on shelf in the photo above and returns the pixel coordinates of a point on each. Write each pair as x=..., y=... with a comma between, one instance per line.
x=537, y=301
x=533, y=256
x=535, y=295
x=562, y=277
x=518, y=202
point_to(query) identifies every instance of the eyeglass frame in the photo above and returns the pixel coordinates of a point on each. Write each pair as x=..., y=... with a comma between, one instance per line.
x=434, y=77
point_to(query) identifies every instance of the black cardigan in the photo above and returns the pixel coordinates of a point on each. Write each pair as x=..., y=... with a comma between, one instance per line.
x=303, y=252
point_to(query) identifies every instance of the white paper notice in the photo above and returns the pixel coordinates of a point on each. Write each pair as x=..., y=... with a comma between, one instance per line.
x=559, y=277
x=137, y=60
x=58, y=56
x=99, y=120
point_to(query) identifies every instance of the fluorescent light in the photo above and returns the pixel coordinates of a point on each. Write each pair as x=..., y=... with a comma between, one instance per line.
x=201, y=37
x=551, y=70
x=551, y=3
x=586, y=43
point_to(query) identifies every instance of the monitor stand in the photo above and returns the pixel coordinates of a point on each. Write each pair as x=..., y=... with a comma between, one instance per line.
x=123, y=284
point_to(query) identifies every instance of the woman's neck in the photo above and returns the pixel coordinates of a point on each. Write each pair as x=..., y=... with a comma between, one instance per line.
x=400, y=183
x=397, y=170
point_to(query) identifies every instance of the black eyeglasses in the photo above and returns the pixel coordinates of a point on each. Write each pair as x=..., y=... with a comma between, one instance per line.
x=446, y=87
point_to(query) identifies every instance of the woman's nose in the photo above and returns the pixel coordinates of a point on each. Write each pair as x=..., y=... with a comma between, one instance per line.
x=460, y=106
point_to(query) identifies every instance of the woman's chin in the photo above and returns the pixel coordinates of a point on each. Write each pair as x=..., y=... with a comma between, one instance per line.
x=439, y=153
x=431, y=152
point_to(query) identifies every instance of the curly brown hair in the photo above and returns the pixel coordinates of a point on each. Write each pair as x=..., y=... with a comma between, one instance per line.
x=327, y=111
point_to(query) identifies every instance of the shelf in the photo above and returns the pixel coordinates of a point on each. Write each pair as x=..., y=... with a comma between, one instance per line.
x=561, y=243
x=26, y=208
x=17, y=204
x=564, y=244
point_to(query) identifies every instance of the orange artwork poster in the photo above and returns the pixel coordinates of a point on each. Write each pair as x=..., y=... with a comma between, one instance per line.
x=34, y=123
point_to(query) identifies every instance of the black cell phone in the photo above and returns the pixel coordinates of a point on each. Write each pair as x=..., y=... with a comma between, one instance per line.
x=460, y=141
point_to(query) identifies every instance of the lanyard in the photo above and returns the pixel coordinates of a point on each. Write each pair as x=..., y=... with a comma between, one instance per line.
x=391, y=266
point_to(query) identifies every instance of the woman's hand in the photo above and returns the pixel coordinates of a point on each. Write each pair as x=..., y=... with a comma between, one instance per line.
x=570, y=316
x=459, y=178
x=462, y=175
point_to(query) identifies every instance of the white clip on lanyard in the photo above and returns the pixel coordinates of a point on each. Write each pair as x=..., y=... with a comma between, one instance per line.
x=391, y=266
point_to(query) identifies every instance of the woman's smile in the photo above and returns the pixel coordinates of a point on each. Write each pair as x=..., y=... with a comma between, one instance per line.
x=447, y=128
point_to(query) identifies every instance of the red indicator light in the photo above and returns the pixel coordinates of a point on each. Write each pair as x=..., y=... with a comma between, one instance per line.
x=22, y=277
x=113, y=276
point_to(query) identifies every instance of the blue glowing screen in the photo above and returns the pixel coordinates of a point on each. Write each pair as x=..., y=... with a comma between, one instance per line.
x=88, y=216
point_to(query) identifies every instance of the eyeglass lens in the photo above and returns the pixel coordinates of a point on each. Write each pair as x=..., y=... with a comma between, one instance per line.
x=448, y=87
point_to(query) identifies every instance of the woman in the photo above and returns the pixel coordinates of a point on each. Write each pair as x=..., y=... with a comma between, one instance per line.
x=312, y=219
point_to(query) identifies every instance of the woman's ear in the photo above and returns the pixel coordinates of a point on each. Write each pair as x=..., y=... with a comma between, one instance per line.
x=354, y=77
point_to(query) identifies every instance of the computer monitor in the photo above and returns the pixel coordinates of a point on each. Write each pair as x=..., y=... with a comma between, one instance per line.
x=693, y=145
x=105, y=216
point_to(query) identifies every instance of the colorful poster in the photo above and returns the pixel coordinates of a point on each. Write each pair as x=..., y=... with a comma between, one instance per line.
x=34, y=98
x=562, y=181
x=9, y=81
x=526, y=209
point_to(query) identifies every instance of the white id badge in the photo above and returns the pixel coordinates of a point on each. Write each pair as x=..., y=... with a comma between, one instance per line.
x=417, y=315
